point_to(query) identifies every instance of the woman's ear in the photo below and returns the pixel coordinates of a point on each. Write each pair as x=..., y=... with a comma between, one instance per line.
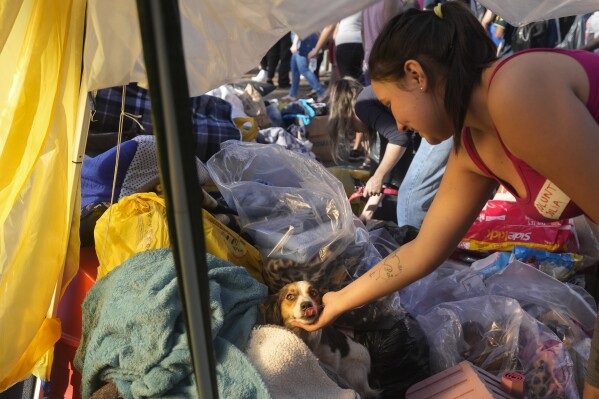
x=415, y=76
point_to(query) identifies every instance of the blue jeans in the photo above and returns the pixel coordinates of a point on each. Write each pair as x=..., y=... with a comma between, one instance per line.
x=422, y=181
x=299, y=65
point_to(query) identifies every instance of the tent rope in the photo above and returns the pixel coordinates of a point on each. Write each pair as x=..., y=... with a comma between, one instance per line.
x=116, y=166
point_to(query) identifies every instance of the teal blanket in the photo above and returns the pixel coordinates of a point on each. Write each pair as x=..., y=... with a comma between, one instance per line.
x=134, y=333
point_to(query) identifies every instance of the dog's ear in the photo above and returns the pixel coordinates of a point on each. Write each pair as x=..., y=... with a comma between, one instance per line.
x=271, y=310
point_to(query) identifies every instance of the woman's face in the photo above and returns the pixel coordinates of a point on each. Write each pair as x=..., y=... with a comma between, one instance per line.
x=415, y=109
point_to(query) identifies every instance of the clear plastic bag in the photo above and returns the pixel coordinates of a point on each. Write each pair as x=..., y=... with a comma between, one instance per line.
x=531, y=286
x=451, y=281
x=575, y=340
x=497, y=335
x=290, y=204
x=295, y=210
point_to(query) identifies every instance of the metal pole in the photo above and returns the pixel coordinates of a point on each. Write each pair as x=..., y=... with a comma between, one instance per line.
x=160, y=27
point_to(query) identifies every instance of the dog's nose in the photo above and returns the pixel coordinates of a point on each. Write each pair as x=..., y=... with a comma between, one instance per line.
x=305, y=305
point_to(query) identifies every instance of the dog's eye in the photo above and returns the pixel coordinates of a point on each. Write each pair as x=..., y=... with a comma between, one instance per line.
x=290, y=297
x=313, y=293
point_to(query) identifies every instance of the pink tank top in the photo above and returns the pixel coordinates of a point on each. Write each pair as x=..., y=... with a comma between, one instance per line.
x=544, y=201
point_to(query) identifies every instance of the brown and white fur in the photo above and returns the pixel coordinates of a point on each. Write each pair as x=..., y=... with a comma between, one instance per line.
x=300, y=301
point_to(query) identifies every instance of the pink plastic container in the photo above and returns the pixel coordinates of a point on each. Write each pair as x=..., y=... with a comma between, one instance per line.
x=463, y=381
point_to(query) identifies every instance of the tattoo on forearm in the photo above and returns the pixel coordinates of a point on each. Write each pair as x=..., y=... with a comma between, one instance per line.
x=390, y=268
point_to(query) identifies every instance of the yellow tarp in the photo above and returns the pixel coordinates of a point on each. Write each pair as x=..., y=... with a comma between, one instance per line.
x=40, y=59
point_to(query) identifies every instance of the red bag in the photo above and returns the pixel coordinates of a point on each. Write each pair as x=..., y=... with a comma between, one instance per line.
x=501, y=225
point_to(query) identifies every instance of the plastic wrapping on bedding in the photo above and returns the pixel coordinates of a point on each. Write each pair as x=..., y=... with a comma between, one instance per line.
x=299, y=218
x=290, y=204
x=497, y=335
x=449, y=282
x=531, y=286
x=575, y=340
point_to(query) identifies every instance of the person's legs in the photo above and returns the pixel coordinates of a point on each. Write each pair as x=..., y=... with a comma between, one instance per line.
x=264, y=62
x=295, y=77
x=273, y=60
x=319, y=59
x=262, y=74
x=421, y=182
x=302, y=65
x=357, y=152
x=285, y=60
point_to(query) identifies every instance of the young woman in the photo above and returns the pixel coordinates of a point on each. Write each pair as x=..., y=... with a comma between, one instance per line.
x=530, y=121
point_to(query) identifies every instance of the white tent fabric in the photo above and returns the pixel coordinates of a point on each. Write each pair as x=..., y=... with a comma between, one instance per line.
x=521, y=12
x=223, y=39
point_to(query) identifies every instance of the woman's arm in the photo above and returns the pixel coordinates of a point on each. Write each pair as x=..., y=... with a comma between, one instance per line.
x=374, y=114
x=294, y=44
x=538, y=107
x=460, y=198
x=326, y=33
x=393, y=153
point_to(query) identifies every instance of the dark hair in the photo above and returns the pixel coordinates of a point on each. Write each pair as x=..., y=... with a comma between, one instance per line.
x=453, y=50
x=342, y=102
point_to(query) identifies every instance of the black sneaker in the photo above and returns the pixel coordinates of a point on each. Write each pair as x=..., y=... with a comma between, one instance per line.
x=356, y=156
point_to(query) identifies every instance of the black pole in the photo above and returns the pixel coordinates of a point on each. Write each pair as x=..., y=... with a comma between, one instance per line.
x=160, y=27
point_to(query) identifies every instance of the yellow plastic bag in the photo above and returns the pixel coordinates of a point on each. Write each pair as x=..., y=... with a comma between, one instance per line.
x=138, y=223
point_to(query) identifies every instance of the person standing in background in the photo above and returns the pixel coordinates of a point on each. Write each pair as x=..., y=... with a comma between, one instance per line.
x=373, y=20
x=299, y=66
x=349, y=57
x=279, y=55
x=349, y=50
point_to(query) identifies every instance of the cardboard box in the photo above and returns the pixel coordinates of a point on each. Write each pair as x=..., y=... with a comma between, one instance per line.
x=318, y=134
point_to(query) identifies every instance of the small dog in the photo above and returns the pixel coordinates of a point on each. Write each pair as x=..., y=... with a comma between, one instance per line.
x=302, y=302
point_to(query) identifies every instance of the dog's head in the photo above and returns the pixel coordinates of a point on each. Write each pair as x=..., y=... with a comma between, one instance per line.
x=295, y=301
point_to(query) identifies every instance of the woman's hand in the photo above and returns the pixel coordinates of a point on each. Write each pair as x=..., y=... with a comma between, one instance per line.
x=374, y=186
x=312, y=54
x=330, y=312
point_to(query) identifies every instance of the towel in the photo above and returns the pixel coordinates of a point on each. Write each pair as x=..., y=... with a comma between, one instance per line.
x=133, y=331
x=289, y=368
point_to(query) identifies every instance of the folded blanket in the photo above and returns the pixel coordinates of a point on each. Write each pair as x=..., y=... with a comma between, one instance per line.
x=289, y=368
x=134, y=333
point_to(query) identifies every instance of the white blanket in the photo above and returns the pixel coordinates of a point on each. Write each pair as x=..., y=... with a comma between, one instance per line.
x=289, y=368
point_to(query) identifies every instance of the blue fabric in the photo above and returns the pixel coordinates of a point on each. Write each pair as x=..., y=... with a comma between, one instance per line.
x=421, y=182
x=97, y=174
x=299, y=66
x=211, y=125
x=298, y=110
x=133, y=331
x=107, y=110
